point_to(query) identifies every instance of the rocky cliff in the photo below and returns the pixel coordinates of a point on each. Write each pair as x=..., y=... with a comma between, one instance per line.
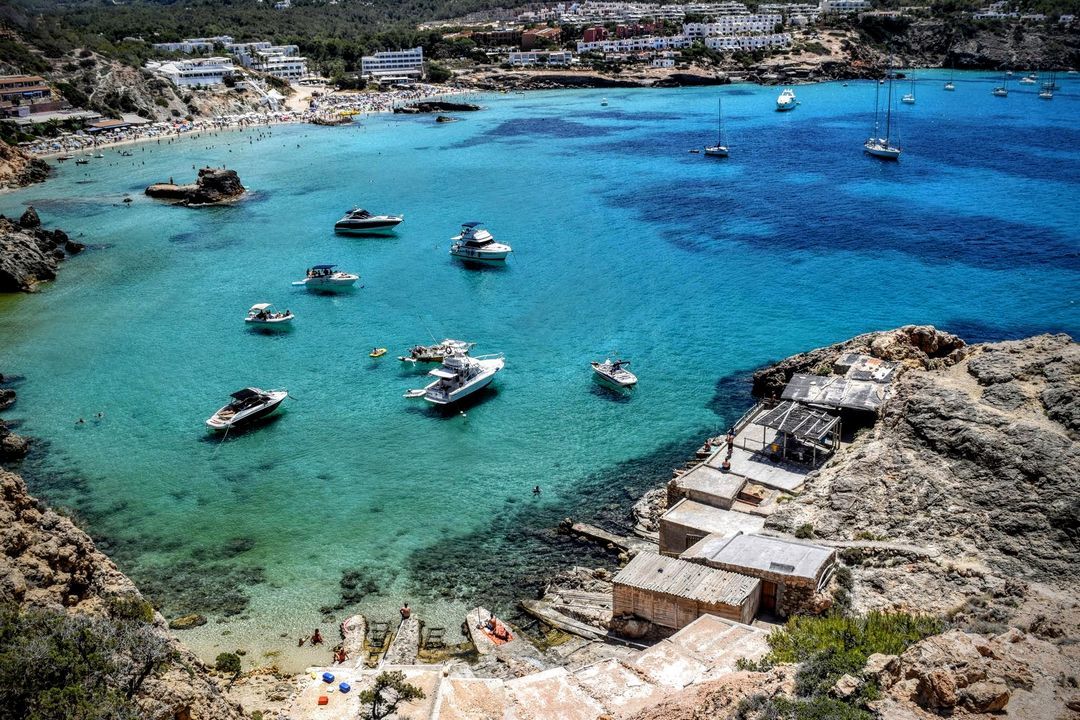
x=29, y=253
x=47, y=562
x=18, y=169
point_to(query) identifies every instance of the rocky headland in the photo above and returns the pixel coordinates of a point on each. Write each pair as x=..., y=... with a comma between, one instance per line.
x=435, y=106
x=47, y=563
x=213, y=186
x=29, y=253
x=18, y=168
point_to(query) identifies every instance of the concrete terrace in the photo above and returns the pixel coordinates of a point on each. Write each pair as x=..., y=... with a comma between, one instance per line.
x=703, y=651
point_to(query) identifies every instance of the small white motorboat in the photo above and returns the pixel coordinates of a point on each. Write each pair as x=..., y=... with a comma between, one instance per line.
x=615, y=372
x=603, y=102
x=477, y=244
x=263, y=314
x=1031, y=79
x=458, y=377
x=359, y=221
x=324, y=277
x=247, y=405
x=786, y=100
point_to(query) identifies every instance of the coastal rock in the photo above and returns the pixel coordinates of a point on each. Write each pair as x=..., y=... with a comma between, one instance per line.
x=29, y=254
x=45, y=561
x=12, y=446
x=7, y=397
x=435, y=106
x=213, y=186
x=187, y=622
x=18, y=168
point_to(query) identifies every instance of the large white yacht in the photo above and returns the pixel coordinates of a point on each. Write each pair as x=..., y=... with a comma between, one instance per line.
x=359, y=221
x=477, y=244
x=324, y=277
x=786, y=100
x=247, y=405
x=458, y=377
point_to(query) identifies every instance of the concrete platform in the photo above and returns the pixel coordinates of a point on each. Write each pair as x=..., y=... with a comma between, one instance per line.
x=709, y=485
x=668, y=665
x=550, y=694
x=618, y=688
x=470, y=699
x=758, y=468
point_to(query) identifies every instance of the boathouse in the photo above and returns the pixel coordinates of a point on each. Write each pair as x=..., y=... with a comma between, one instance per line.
x=707, y=484
x=672, y=593
x=688, y=522
x=793, y=574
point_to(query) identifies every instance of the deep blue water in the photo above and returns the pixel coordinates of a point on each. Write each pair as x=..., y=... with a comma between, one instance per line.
x=695, y=268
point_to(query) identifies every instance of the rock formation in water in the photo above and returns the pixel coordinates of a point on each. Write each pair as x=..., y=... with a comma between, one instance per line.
x=47, y=562
x=213, y=186
x=29, y=253
x=436, y=106
x=18, y=168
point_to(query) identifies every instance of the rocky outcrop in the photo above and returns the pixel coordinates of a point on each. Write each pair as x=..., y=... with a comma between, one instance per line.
x=46, y=561
x=18, y=168
x=435, y=106
x=30, y=254
x=213, y=186
x=917, y=346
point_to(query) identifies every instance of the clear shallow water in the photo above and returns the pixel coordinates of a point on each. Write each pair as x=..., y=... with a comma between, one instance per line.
x=697, y=269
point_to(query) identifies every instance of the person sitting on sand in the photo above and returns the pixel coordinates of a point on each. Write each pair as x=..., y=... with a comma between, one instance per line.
x=340, y=656
x=301, y=642
x=316, y=637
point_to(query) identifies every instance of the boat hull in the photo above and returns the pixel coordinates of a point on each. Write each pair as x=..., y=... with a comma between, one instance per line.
x=785, y=107
x=480, y=255
x=376, y=228
x=882, y=152
x=718, y=151
x=330, y=283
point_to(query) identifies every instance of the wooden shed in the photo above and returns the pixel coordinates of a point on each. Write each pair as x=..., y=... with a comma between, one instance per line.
x=673, y=593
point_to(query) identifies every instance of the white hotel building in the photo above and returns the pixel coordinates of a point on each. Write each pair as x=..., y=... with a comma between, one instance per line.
x=193, y=45
x=197, y=71
x=731, y=43
x=732, y=24
x=394, y=63
x=836, y=7
x=636, y=44
x=550, y=58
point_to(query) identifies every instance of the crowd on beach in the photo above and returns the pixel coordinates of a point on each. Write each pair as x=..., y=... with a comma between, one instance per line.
x=320, y=105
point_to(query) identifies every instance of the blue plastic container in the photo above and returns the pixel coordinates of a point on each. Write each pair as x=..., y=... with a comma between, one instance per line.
x=328, y=677
x=344, y=687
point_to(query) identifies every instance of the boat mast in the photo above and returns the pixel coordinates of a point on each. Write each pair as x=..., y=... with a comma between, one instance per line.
x=877, y=110
x=719, y=123
x=888, y=111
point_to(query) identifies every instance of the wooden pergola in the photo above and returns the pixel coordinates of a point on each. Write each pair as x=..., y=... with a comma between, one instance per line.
x=816, y=429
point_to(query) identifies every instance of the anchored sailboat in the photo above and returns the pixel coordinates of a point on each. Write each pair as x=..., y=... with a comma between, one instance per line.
x=720, y=148
x=1002, y=90
x=876, y=145
x=909, y=98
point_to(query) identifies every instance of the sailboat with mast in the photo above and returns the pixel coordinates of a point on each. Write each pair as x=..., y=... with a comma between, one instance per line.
x=949, y=84
x=878, y=146
x=909, y=98
x=720, y=149
x=1002, y=90
x=1047, y=91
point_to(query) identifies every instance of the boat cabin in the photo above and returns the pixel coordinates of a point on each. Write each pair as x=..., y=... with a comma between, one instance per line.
x=474, y=234
x=319, y=271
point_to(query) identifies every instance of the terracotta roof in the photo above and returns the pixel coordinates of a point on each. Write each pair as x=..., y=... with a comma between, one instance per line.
x=7, y=79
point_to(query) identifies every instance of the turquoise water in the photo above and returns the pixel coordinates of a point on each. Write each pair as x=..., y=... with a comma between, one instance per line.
x=697, y=269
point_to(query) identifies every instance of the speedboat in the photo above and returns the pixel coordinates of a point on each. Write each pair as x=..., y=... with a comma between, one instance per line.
x=882, y=148
x=615, y=372
x=247, y=405
x=476, y=243
x=324, y=277
x=359, y=221
x=908, y=99
x=436, y=352
x=786, y=100
x=950, y=86
x=1029, y=79
x=264, y=314
x=458, y=377
x=603, y=102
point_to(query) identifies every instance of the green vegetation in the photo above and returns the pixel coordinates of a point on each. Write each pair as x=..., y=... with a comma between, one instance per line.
x=389, y=691
x=437, y=73
x=804, y=531
x=227, y=662
x=826, y=648
x=55, y=666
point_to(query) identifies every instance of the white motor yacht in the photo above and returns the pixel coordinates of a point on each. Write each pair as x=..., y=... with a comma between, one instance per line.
x=247, y=405
x=458, y=377
x=477, y=244
x=324, y=277
x=615, y=372
x=359, y=221
x=264, y=314
x=786, y=100
x=1031, y=79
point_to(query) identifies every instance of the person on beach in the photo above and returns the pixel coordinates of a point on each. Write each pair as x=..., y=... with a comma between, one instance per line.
x=301, y=641
x=340, y=656
x=316, y=637
x=405, y=612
